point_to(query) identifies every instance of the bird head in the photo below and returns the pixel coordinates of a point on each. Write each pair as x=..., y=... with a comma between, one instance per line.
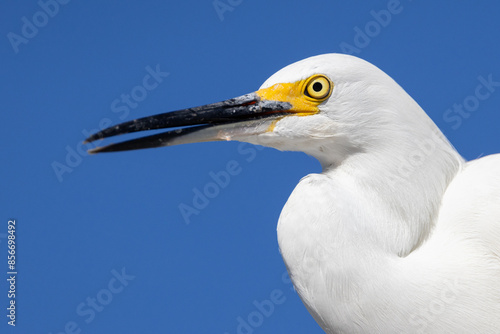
x=329, y=106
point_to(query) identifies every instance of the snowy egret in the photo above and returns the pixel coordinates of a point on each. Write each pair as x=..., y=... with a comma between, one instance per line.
x=398, y=234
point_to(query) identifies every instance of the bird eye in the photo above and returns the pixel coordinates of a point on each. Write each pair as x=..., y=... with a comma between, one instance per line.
x=318, y=87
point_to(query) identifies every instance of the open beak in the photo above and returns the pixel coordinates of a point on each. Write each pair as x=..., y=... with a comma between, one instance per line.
x=244, y=115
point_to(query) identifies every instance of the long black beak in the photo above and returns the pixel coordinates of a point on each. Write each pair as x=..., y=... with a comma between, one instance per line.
x=243, y=108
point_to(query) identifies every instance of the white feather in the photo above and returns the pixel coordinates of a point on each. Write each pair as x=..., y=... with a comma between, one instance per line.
x=398, y=234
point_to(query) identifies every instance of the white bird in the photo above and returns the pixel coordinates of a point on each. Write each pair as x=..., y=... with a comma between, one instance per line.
x=397, y=234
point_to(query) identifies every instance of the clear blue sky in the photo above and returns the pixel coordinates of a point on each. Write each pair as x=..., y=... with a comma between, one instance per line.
x=102, y=245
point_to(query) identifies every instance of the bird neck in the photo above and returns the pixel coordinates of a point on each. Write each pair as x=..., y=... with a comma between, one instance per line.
x=398, y=186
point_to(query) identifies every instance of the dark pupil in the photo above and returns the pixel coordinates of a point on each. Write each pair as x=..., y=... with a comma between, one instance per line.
x=317, y=87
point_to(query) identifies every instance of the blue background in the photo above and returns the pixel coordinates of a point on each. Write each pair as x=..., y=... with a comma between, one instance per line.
x=113, y=212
